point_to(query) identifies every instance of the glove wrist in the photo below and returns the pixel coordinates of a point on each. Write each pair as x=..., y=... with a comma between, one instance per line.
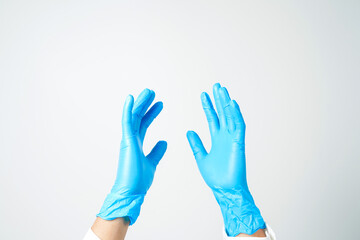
x=239, y=211
x=118, y=205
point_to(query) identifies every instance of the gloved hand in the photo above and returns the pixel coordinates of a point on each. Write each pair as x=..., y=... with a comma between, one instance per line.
x=223, y=168
x=135, y=170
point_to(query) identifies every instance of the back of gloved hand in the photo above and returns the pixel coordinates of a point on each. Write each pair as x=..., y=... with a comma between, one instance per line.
x=135, y=170
x=223, y=168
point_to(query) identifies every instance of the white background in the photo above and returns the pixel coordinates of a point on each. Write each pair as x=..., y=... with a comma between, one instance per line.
x=67, y=66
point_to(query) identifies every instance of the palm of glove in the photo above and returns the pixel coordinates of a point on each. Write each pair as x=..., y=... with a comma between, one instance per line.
x=135, y=171
x=224, y=166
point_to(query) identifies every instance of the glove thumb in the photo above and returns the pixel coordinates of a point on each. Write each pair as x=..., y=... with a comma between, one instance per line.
x=157, y=152
x=196, y=145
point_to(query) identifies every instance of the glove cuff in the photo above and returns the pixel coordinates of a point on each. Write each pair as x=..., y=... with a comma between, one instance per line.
x=239, y=211
x=119, y=205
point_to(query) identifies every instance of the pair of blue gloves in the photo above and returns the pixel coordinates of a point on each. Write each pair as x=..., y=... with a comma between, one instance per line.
x=223, y=168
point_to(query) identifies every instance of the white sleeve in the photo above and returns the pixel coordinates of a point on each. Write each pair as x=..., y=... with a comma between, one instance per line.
x=90, y=235
x=270, y=235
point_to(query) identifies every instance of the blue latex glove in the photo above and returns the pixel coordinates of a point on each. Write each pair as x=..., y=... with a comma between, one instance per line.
x=223, y=168
x=135, y=170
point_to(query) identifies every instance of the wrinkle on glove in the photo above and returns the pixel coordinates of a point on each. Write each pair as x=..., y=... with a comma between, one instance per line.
x=118, y=205
x=239, y=212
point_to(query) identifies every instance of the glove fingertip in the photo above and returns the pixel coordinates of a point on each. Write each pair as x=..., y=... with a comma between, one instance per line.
x=163, y=144
x=190, y=134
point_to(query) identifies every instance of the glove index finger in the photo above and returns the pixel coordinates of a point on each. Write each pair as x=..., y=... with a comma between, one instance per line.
x=140, y=107
x=210, y=113
x=149, y=117
x=219, y=107
x=127, y=115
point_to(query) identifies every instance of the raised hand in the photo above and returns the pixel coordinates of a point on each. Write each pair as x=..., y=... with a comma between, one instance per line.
x=135, y=169
x=224, y=168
